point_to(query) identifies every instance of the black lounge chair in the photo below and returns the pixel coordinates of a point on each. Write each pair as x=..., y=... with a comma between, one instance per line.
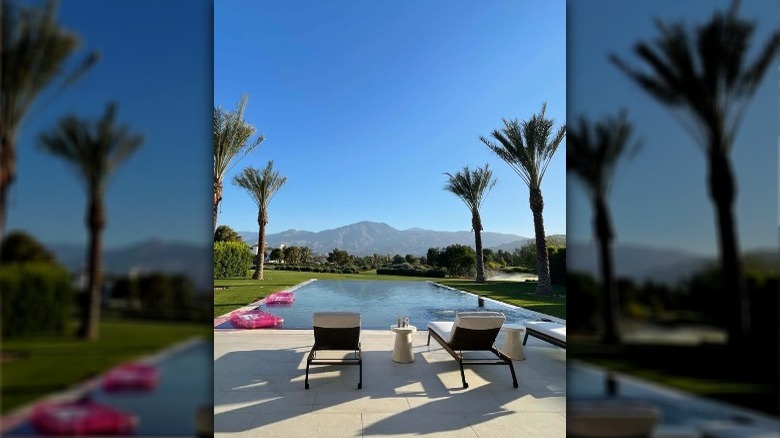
x=336, y=331
x=547, y=331
x=471, y=331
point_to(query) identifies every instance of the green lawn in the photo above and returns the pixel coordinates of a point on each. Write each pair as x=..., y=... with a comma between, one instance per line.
x=241, y=292
x=36, y=367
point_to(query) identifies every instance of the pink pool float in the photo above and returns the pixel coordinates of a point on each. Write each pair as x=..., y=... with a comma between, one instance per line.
x=254, y=319
x=131, y=376
x=283, y=297
x=80, y=418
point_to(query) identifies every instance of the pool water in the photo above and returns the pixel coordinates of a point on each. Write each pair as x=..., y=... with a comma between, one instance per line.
x=380, y=303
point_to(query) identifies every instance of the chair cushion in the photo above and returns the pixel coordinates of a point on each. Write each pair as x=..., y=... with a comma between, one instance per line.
x=442, y=328
x=551, y=329
x=336, y=319
x=477, y=321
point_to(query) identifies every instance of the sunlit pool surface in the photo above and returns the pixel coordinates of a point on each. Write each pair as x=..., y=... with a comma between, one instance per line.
x=185, y=385
x=381, y=302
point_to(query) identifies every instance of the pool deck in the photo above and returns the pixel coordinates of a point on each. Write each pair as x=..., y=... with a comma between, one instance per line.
x=259, y=375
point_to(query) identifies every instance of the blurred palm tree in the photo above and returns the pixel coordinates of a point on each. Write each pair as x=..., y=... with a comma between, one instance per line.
x=33, y=52
x=592, y=154
x=231, y=139
x=471, y=186
x=95, y=150
x=528, y=148
x=262, y=185
x=704, y=76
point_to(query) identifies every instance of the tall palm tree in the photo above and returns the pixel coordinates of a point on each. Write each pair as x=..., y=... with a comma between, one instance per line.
x=231, y=139
x=33, y=52
x=528, y=148
x=704, y=76
x=262, y=185
x=95, y=149
x=471, y=186
x=592, y=153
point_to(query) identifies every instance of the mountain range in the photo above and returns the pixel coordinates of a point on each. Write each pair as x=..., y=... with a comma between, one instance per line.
x=152, y=255
x=367, y=238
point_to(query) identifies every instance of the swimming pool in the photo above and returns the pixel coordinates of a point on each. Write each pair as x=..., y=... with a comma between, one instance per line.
x=381, y=302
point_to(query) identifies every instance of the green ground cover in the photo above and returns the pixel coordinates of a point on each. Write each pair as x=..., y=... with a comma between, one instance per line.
x=241, y=292
x=38, y=366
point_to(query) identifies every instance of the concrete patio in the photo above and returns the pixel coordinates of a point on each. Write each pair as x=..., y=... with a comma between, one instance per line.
x=259, y=390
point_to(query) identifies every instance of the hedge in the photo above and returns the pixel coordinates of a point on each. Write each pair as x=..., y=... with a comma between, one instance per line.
x=435, y=273
x=557, y=260
x=231, y=259
x=37, y=298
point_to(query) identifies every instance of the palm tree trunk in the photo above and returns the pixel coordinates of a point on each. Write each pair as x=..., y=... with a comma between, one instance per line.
x=544, y=286
x=217, y=199
x=262, y=220
x=736, y=302
x=611, y=299
x=7, y=174
x=96, y=221
x=476, y=223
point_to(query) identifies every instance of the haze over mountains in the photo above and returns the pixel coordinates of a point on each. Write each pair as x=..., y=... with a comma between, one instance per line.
x=145, y=257
x=367, y=238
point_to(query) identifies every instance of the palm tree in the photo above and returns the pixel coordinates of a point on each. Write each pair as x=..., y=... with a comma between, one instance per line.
x=262, y=185
x=95, y=150
x=33, y=52
x=705, y=77
x=592, y=153
x=231, y=139
x=471, y=186
x=528, y=148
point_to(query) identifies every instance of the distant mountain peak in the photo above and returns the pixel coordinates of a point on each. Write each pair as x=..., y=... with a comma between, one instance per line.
x=369, y=237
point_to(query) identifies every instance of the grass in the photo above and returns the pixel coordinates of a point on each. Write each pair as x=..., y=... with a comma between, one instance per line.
x=241, y=291
x=38, y=366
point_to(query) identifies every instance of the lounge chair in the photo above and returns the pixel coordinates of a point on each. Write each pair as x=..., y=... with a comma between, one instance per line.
x=471, y=331
x=336, y=331
x=547, y=331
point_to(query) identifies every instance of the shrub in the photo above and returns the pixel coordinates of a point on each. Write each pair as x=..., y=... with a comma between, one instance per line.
x=557, y=259
x=231, y=259
x=37, y=299
x=420, y=272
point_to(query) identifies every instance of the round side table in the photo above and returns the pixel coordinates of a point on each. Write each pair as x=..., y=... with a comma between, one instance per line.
x=402, y=350
x=513, y=347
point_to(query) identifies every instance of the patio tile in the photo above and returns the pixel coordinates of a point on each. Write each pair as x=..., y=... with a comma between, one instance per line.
x=360, y=401
x=417, y=424
x=264, y=402
x=526, y=424
x=320, y=425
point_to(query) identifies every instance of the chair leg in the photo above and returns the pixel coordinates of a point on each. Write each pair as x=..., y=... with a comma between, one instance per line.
x=462, y=374
x=308, y=362
x=514, y=377
x=429, y=337
x=360, y=382
x=526, y=337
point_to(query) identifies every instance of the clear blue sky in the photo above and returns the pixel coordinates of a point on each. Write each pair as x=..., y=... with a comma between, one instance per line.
x=365, y=105
x=660, y=197
x=157, y=64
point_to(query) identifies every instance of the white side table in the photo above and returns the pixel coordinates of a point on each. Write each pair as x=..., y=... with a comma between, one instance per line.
x=402, y=350
x=513, y=347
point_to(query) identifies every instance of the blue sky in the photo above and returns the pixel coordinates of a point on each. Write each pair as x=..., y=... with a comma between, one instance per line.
x=157, y=64
x=660, y=196
x=365, y=105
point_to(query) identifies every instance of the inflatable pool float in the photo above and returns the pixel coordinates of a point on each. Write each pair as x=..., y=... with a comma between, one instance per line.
x=131, y=376
x=254, y=319
x=79, y=418
x=283, y=297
